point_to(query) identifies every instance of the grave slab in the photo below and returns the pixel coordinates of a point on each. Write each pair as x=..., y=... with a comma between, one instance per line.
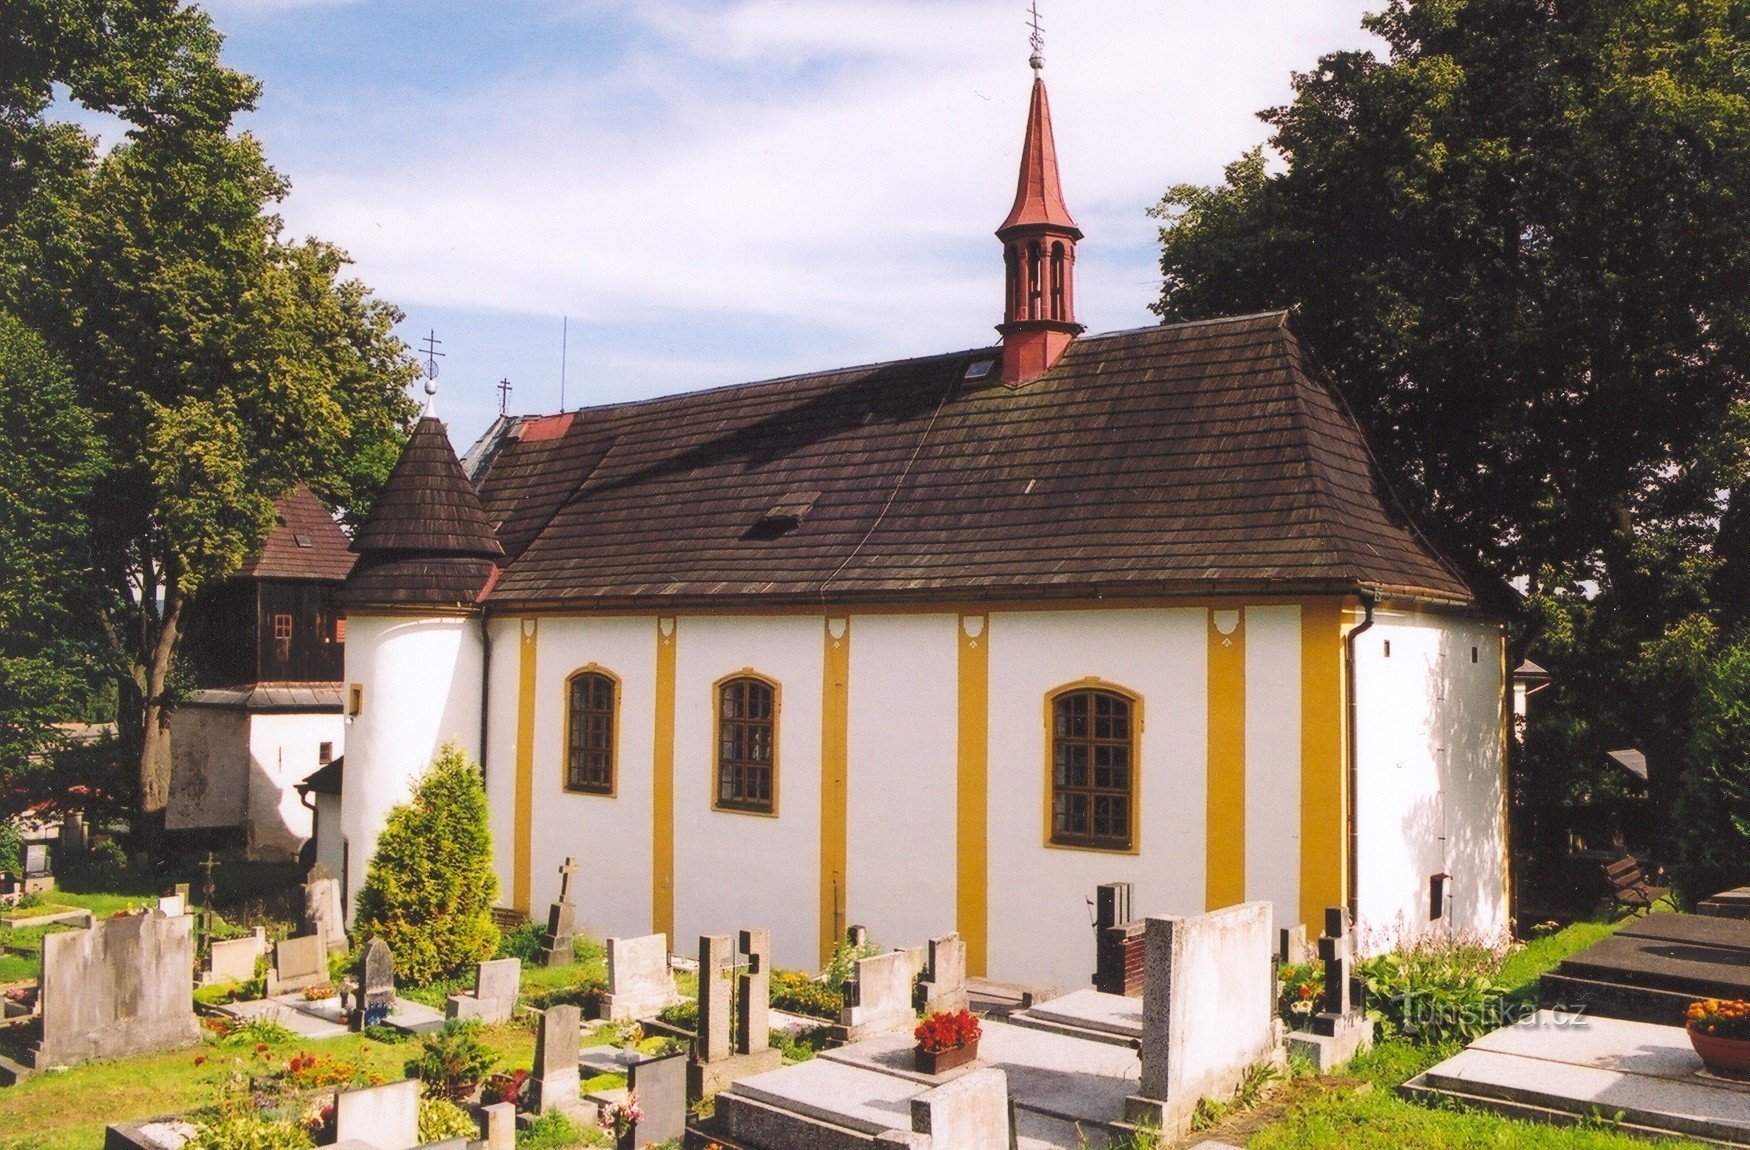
x=386, y=1117
x=1092, y=1014
x=1728, y=904
x=1576, y=1067
x=300, y=1022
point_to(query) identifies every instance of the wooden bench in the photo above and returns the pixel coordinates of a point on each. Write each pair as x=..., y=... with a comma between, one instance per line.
x=1629, y=886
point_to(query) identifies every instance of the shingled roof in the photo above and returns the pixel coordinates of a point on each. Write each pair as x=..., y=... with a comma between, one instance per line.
x=306, y=542
x=1200, y=458
x=427, y=541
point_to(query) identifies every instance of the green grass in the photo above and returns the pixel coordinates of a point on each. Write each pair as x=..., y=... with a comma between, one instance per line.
x=1523, y=967
x=68, y=1110
x=37, y=911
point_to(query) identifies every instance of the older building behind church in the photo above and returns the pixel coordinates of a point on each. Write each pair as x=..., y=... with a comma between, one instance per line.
x=944, y=643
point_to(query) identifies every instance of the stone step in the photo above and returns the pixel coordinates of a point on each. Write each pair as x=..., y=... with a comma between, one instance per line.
x=1614, y=999
x=1053, y=1026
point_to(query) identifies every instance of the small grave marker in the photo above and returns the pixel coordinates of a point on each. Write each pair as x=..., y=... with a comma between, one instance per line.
x=376, y=985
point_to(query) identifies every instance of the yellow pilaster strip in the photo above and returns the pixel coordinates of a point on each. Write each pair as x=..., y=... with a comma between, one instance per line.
x=662, y=786
x=1324, y=872
x=972, y=779
x=1224, y=882
x=525, y=766
x=834, y=785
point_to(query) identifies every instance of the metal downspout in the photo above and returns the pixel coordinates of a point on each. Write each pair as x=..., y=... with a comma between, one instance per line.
x=1369, y=600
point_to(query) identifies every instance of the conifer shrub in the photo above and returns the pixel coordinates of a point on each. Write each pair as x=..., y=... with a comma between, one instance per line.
x=429, y=889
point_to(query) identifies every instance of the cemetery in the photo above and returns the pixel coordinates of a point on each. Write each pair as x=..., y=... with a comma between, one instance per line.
x=158, y=1024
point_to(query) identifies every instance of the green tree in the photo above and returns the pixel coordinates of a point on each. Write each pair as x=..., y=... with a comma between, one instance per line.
x=222, y=362
x=429, y=889
x=1714, y=811
x=49, y=459
x=1521, y=243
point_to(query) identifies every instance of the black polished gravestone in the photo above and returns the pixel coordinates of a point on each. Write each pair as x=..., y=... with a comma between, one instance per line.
x=376, y=985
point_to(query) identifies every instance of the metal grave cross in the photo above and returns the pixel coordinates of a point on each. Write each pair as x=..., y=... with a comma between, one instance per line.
x=565, y=873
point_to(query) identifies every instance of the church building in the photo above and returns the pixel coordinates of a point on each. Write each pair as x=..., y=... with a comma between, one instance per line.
x=944, y=643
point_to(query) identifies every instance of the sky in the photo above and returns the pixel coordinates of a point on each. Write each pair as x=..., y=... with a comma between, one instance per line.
x=652, y=196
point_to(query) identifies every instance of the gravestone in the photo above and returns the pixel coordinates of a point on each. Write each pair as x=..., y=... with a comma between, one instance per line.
x=1208, y=1011
x=1291, y=945
x=877, y=998
x=722, y=1053
x=640, y=982
x=172, y=905
x=714, y=999
x=943, y=985
x=553, y=1084
x=37, y=875
x=498, y=1126
x=73, y=839
x=493, y=999
x=753, y=1029
x=1118, y=950
x=661, y=1087
x=298, y=964
x=1341, y=1029
x=558, y=943
x=970, y=1112
x=385, y=1117
x=322, y=914
x=234, y=959
x=376, y=985
x=121, y=987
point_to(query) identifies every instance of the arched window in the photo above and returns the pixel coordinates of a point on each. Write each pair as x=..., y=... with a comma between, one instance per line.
x=1093, y=768
x=1057, y=307
x=592, y=700
x=747, y=745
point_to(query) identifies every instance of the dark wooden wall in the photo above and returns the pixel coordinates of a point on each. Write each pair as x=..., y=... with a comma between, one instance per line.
x=313, y=652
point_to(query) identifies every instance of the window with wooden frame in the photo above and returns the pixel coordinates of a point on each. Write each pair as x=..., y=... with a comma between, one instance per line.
x=1093, y=768
x=282, y=628
x=592, y=699
x=747, y=745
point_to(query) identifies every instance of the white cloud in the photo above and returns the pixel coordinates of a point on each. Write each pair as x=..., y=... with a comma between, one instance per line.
x=838, y=164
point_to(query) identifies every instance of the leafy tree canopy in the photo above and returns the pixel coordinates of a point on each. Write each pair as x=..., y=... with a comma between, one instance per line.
x=1521, y=242
x=220, y=361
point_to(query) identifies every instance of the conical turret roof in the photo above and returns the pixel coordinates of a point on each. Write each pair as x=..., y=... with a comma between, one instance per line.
x=428, y=507
x=1039, y=192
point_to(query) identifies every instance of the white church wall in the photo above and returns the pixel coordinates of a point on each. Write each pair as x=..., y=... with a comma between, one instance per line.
x=1429, y=776
x=1039, y=920
x=284, y=750
x=421, y=684
x=503, y=673
x=903, y=748
x=330, y=837
x=609, y=836
x=735, y=870
x=1273, y=693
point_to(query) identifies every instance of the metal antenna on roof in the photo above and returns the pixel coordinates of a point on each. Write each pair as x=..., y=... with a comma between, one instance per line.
x=1036, y=40
x=504, y=390
x=432, y=355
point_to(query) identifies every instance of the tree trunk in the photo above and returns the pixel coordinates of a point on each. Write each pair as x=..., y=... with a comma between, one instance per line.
x=155, y=730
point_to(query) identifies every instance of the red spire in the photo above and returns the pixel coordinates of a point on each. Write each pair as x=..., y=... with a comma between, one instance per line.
x=1039, y=257
x=1039, y=192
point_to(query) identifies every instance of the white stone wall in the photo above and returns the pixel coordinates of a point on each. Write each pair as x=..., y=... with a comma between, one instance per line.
x=284, y=750
x=209, y=771
x=421, y=680
x=904, y=743
x=735, y=870
x=1040, y=926
x=610, y=837
x=1429, y=776
x=330, y=838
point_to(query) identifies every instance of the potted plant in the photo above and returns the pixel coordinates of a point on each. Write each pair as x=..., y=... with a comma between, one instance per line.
x=946, y=1039
x=621, y=1119
x=1719, y=1029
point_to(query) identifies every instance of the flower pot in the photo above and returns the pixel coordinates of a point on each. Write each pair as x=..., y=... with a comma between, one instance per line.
x=1724, y=1055
x=940, y=1062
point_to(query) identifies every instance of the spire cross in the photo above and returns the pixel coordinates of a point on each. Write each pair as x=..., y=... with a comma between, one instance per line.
x=504, y=390
x=1037, y=39
x=432, y=354
x=565, y=872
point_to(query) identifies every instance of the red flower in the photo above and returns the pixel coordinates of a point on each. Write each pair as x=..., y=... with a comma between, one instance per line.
x=948, y=1031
